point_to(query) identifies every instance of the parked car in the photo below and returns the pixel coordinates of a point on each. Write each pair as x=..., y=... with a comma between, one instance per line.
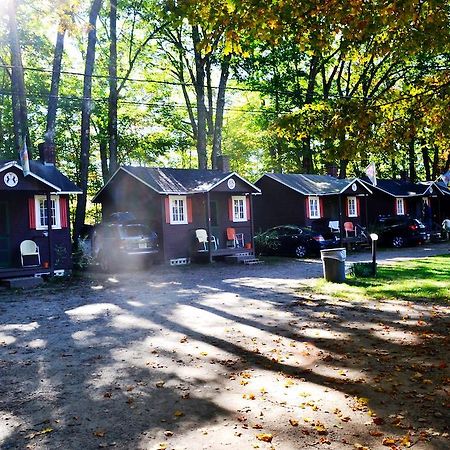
x=121, y=241
x=291, y=240
x=399, y=231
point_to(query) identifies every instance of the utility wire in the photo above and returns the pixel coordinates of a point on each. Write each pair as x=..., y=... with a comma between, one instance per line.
x=141, y=80
x=131, y=102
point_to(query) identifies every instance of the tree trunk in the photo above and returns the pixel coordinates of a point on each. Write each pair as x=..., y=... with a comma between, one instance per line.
x=426, y=161
x=113, y=95
x=218, y=123
x=86, y=107
x=435, y=171
x=19, y=99
x=412, y=160
x=308, y=165
x=200, y=97
x=343, y=164
x=54, y=89
x=103, y=144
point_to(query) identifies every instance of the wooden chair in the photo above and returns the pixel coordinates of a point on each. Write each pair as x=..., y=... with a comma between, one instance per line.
x=29, y=248
x=235, y=239
x=202, y=238
x=349, y=228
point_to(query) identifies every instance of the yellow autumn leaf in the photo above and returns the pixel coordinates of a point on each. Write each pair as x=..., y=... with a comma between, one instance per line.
x=266, y=437
x=293, y=422
x=178, y=413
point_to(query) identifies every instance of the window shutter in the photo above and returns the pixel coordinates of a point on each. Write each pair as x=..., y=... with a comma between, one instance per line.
x=321, y=210
x=405, y=211
x=63, y=212
x=307, y=207
x=347, y=207
x=32, y=213
x=189, y=209
x=358, y=206
x=167, y=209
x=247, y=199
x=230, y=209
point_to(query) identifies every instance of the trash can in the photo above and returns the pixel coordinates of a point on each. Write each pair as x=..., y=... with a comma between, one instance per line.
x=333, y=261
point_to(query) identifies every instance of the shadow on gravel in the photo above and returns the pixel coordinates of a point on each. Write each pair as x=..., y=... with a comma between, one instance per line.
x=128, y=361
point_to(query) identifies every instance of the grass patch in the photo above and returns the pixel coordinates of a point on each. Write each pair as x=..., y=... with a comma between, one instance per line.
x=420, y=279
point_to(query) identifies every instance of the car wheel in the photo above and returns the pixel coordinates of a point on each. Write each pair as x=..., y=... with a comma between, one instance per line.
x=398, y=241
x=300, y=251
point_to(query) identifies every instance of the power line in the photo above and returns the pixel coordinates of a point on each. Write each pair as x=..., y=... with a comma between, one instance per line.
x=142, y=80
x=131, y=102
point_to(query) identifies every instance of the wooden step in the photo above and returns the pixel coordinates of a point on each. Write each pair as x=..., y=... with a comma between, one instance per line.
x=22, y=282
x=251, y=262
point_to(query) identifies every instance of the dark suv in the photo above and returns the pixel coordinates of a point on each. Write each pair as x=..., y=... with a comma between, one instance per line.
x=399, y=231
x=122, y=241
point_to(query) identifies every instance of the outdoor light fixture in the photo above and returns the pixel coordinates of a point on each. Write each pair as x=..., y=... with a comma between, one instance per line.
x=374, y=238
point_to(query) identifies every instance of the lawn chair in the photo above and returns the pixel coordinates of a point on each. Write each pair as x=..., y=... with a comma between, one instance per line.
x=235, y=239
x=349, y=228
x=333, y=225
x=202, y=238
x=29, y=248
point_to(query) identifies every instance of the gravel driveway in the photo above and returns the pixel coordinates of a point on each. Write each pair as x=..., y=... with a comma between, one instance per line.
x=219, y=357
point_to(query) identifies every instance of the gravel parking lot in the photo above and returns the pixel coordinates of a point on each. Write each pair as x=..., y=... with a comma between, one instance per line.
x=220, y=357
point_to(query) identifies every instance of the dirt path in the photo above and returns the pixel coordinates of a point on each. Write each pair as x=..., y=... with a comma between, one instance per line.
x=223, y=357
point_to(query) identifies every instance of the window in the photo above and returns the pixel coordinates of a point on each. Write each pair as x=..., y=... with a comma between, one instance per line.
x=178, y=211
x=314, y=207
x=239, y=208
x=400, y=203
x=352, y=207
x=41, y=212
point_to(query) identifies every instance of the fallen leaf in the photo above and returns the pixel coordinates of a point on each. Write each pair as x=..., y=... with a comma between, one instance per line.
x=178, y=413
x=389, y=441
x=375, y=433
x=378, y=420
x=266, y=437
x=99, y=433
x=293, y=422
x=40, y=433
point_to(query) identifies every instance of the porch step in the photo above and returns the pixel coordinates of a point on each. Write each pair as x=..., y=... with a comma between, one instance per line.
x=251, y=262
x=242, y=258
x=22, y=282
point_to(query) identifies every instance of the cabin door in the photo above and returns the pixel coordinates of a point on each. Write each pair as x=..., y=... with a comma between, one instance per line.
x=215, y=230
x=5, y=255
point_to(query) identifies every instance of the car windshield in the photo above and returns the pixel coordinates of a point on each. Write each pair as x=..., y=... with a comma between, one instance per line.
x=134, y=231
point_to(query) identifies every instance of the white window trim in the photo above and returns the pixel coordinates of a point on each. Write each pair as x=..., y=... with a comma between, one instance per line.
x=349, y=200
x=244, y=203
x=37, y=208
x=319, y=212
x=172, y=199
x=400, y=211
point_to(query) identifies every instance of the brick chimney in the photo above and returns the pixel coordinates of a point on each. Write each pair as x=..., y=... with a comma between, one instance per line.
x=223, y=163
x=47, y=154
x=332, y=170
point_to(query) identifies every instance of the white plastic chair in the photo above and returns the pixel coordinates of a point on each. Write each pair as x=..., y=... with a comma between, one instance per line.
x=29, y=248
x=333, y=225
x=202, y=237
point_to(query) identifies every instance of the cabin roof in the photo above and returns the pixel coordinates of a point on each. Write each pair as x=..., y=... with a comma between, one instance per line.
x=164, y=180
x=308, y=184
x=399, y=188
x=47, y=174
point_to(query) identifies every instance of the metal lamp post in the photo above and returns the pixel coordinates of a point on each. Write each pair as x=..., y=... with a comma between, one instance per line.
x=374, y=238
